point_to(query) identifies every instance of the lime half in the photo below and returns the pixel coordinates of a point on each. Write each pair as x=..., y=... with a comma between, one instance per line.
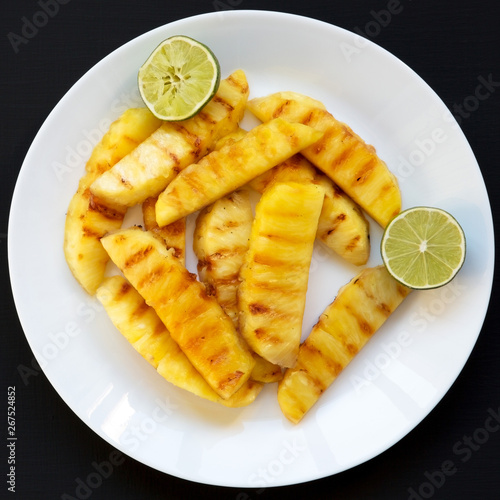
x=423, y=247
x=179, y=78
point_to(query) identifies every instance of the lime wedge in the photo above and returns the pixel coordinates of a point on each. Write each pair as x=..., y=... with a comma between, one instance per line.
x=423, y=247
x=179, y=78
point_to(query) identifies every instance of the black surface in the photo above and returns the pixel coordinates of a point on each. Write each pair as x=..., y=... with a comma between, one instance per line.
x=450, y=45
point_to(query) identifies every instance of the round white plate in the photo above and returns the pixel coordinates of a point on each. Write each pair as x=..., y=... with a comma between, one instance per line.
x=391, y=385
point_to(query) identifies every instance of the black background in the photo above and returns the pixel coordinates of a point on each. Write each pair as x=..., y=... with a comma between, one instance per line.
x=450, y=44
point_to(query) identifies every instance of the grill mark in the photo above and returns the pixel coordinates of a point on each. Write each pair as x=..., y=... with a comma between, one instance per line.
x=231, y=379
x=353, y=243
x=268, y=260
x=265, y=285
x=225, y=254
x=257, y=308
x=194, y=344
x=89, y=232
x=98, y=206
x=138, y=257
x=224, y=103
x=176, y=161
x=104, y=165
x=125, y=183
x=402, y=290
x=236, y=83
x=184, y=284
x=178, y=252
x=263, y=334
x=193, y=139
x=308, y=118
x=204, y=264
x=364, y=173
x=351, y=349
x=281, y=109
x=148, y=211
x=334, y=367
x=151, y=277
x=384, y=308
x=233, y=279
x=124, y=289
x=294, y=140
x=207, y=118
x=337, y=192
x=344, y=156
x=210, y=289
x=130, y=139
x=176, y=228
x=159, y=329
x=219, y=357
x=140, y=310
x=260, y=332
x=337, y=222
x=364, y=326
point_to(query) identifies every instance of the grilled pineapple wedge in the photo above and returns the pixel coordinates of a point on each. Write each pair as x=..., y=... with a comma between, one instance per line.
x=341, y=154
x=231, y=167
x=275, y=273
x=89, y=218
x=230, y=138
x=147, y=170
x=195, y=321
x=143, y=328
x=220, y=242
x=173, y=235
x=358, y=311
x=294, y=169
x=342, y=226
x=131, y=128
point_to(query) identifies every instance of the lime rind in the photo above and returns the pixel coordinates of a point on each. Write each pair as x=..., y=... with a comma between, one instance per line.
x=179, y=78
x=423, y=247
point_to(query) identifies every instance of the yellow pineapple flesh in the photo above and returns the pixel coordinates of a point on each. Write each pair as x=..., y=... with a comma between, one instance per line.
x=294, y=169
x=220, y=242
x=89, y=218
x=230, y=138
x=342, y=225
x=145, y=331
x=173, y=235
x=124, y=135
x=341, y=154
x=149, y=168
x=359, y=310
x=265, y=372
x=195, y=320
x=275, y=273
x=231, y=167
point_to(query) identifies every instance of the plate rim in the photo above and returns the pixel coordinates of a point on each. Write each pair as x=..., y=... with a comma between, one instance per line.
x=81, y=81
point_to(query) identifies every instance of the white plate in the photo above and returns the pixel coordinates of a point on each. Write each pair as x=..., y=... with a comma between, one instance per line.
x=389, y=387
